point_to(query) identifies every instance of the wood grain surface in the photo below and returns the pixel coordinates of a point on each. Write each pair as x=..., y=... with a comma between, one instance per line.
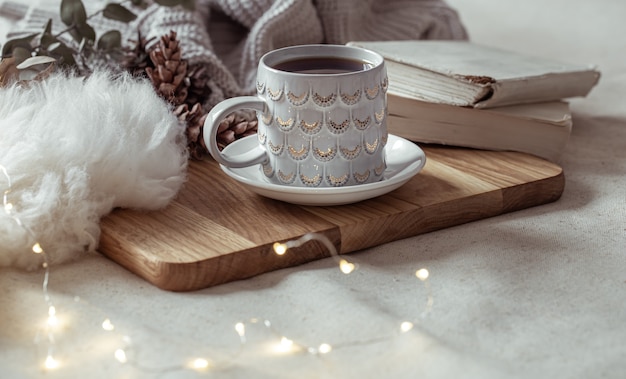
x=217, y=231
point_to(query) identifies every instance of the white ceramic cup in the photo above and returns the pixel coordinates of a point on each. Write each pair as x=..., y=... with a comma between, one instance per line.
x=322, y=112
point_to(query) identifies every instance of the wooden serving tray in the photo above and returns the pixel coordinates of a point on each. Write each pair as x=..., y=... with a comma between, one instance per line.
x=217, y=231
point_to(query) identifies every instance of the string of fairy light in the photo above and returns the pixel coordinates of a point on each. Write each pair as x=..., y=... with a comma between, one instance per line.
x=52, y=320
x=123, y=352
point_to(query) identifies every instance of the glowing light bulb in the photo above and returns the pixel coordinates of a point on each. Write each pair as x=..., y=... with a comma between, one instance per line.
x=200, y=364
x=107, y=325
x=52, y=316
x=285, y=345
x=280, y=248
x=37, y=248
x=286, y=342
x=241, y=329
x=120, y=355
x=346, y=267
x=324, y=348
x=422, y=274
x=406, y=326
x=51, y=363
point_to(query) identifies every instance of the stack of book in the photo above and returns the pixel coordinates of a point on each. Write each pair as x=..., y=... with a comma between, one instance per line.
x=464, y=94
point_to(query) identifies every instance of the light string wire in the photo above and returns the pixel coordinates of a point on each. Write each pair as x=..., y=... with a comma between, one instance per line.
x=347, y=267
x=126, y=350
x=52, y=320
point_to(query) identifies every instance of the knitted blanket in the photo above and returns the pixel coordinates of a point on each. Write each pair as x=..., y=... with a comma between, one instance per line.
x=228, y=37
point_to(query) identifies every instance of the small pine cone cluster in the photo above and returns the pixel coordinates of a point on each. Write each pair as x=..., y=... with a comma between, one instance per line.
x=233, y=127
x=170, y=70
x=198, y=84
x=186, y=88
x=194, y=119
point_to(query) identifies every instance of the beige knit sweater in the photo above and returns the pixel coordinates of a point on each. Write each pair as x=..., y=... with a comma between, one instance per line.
x=230, y=36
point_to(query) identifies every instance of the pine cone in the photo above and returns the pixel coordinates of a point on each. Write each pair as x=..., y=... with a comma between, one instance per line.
x=193, y=119
x=170, y=70
x=234, y=127
x=199, y=90
x=186, y=90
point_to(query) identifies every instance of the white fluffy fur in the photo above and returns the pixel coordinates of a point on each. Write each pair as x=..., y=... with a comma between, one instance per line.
x=75, y=149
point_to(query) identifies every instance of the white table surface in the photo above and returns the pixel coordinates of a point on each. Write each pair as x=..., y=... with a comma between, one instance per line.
x=535, y=293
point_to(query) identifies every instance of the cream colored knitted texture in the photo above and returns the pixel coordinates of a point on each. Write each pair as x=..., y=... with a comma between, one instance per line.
x=271, y=24
x=230, y=36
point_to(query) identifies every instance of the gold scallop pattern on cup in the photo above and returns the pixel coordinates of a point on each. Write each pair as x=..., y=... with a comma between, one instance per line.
x=275, y=149
x=311, y=182
x=285, y=125
x=371, y=147
x=266, y=118
x=351, y=99
x=286, y=178
x=379, y=116
x=262, y=138
x=310, y=129
x=324, y=156
x=297, y=100
x=362, y=124
x=350, y=154
x=384, y=139
x=361, y=178
x=267, y=169
x=336, y=128
x=380, y=169
x=274, y=95
x=260, y=87
x=371, y=93
x=385, y=85
x=298, y=154
x=324, y=101
x=337, y=181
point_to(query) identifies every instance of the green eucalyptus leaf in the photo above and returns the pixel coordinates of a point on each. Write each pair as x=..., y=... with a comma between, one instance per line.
x=67, y=11
x=21, y=54
x=139, y=3
x=169, y=3
x=54, y=46
x=24, y=42
x=73, y=12
x=33, y=61
x=85, y=32
x=47, y=40
x=46, y=37
x=75, y=34
x=118, y=12
x=110, y=40
x=48, y=28
x=64, y=54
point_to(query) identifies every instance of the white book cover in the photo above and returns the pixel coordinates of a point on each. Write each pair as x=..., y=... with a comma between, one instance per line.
x=467, y=74
x=541, y=129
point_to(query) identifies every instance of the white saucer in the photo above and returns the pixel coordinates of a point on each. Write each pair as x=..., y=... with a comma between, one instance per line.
x=404, y=160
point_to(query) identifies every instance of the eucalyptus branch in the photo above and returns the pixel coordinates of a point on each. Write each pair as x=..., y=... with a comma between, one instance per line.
x=73, y=14
x=99, y=12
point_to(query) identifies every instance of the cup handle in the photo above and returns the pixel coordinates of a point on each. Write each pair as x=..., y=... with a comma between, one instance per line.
x=216, y=115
